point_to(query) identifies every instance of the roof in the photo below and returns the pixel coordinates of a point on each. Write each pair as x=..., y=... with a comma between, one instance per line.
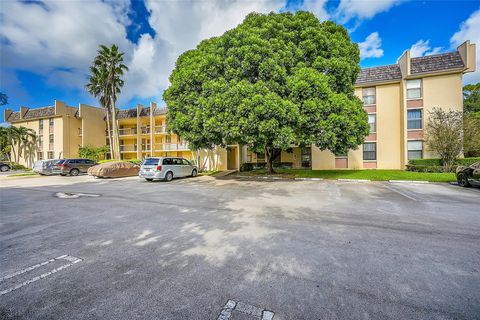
x=379, y=74
x=145, y=112
x=437, y=62
x=32, y=114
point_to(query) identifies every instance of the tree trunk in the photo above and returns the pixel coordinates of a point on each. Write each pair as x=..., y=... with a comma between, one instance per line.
x=116, y=141
x=270, y=154
x=109, y=132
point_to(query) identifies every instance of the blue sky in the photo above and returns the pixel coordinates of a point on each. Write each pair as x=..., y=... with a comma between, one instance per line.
x=46, y=47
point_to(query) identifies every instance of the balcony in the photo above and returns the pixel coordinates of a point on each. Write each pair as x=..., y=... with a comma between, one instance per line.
x=160, y=129
x=127, y=131
x=128, y=148
x=50, y=146
x=146, y=148
x=145, y=130
x=171, y=146
x=80, y=132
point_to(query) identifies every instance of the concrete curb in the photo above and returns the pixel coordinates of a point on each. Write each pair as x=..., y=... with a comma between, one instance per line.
x=309, y=179
x=409, y=181
x=353, y=180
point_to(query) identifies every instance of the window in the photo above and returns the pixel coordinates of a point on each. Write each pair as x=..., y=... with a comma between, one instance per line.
x=372, y=122
x=414, y=89
x=185, y=162
x=50, y=122
x=168, y=139
x=414, y=119
x=50, y=155
x=369, y=96
x=40, y=155
x=415, y=149
x=261, y=156
x=370, y=151
x=167, y=161
x=40, y=141
x=152, y=162
x=50, y=138
x=306, y=154
x=40, y=124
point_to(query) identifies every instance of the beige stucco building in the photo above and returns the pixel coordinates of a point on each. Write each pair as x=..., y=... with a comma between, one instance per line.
x=396, y=97
x=60, y=129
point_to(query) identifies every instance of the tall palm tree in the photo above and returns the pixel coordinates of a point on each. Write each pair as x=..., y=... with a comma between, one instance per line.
x=5, y=143
x=108, y=70
x=96, y=88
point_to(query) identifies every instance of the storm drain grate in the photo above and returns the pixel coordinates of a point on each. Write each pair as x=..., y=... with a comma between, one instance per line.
x=74, y=195
x=232, y=307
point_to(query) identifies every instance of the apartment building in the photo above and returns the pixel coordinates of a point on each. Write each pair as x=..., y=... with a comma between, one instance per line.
x=143, y=133
x=60, y=129
x=397, y=98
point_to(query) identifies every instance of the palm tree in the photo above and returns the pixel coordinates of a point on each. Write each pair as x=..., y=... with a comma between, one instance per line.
x=5, y=143
x=106, y=76
x=96, y=88
x=18, y=138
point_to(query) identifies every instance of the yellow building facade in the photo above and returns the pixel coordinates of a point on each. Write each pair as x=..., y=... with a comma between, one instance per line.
x=398, y=99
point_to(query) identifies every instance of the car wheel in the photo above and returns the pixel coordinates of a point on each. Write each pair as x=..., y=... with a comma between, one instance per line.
x=462, y=180
x=74, y=172
x=149, y=179
x=194, y=173
x=4, y=168
x=169, y=176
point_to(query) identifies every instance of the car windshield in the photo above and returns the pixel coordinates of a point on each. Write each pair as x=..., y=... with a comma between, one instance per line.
x=151, y=162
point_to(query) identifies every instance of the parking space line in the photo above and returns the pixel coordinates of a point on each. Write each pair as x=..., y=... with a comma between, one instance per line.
x=230, y=306
x=70, y=259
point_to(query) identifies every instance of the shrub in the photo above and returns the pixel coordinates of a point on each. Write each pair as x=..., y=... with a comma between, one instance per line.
x=435, y=165
x=17, y=166
x=93, y=153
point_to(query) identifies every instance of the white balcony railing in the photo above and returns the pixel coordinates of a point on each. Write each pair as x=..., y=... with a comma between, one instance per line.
x=145, y=130
x=127, y=131
x=128, y=148
x=160, y=129
x=145, y=147
x=171, y=146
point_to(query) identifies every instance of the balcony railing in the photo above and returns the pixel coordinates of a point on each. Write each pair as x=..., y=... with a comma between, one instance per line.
x=50, y=146
x=127, y=131
x=145, y=130
x=145, y=147
x=171, y=146
x=128, y=148
x=160, y=129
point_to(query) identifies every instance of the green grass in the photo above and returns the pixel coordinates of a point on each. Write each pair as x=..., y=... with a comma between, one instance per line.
x=374, y=175
x=208, y=173
x=23, y=174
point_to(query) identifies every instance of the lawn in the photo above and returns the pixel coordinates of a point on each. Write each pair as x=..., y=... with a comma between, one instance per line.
x=374, y=175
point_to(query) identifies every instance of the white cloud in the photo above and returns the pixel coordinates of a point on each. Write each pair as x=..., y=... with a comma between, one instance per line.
x=371, y=47
x=317, y=7
x=422, y=48
x=469, y=30
x=59, y=39
x=180, y=26
x=365, y=9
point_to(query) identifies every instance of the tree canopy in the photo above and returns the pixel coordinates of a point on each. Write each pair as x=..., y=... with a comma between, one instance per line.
x=274, y=81
x=471, y=98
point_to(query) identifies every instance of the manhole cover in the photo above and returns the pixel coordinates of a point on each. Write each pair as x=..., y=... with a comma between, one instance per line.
x=74, y=195
x=235, y=310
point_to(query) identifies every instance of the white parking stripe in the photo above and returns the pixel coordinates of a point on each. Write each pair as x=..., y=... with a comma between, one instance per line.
x=257, y=312
x=71, y=261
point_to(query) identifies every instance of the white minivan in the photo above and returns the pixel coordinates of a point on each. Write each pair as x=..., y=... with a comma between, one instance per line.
x=166, y=168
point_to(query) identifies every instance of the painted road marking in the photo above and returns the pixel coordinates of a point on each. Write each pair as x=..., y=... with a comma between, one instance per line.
x=71, y=195
x=70, y=259
x=231, y=306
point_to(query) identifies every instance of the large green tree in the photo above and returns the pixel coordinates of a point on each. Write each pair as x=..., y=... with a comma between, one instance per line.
x=274, y=81
x=471, y=98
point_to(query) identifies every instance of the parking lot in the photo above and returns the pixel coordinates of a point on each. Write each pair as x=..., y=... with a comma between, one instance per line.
x=206, y=248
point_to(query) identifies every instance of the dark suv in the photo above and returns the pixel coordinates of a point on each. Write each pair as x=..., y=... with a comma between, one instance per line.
x=4, y=167
x=72, y=167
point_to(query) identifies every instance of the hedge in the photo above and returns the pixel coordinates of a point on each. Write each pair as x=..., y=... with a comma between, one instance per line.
x=249, y=166
x=435, y=165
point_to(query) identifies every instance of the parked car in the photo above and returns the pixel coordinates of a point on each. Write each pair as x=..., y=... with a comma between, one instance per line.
x=468, y=176
x=167, y=168
x=72, y=167
x=4, y=167
x=44, y=167
x=114, y=170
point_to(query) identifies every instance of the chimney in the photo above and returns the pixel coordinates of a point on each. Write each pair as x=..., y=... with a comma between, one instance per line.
x=404, y=63
x=23, y=111
x=7, y=113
